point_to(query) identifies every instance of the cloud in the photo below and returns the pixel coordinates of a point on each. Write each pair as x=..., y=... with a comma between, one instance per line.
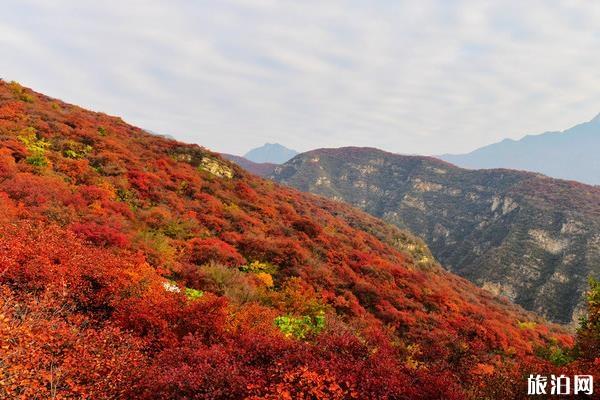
x=414, y=77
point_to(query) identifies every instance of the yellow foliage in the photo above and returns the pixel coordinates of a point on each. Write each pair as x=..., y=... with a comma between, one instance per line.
x=527, y=324
x=258, y=266
x=19, y=92
x=265, y=278
x=414, y=350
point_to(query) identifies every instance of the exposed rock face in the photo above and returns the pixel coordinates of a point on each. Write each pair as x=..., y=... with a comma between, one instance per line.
x=530, y=238
x=216, y=167
x=203, y=160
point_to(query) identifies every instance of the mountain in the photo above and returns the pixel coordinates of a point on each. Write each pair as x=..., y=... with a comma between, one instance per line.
x=260, y=169
x=270, y=153
x=525, y=236
x=571, y=154
x=137, y=267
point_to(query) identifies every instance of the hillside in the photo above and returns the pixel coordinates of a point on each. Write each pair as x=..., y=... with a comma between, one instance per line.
x=139, y=267
x=273, y=153
x=571, y=154
x=530, y=238
x=260, y=169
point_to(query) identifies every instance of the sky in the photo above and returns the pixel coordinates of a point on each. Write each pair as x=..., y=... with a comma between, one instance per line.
x=413, y=77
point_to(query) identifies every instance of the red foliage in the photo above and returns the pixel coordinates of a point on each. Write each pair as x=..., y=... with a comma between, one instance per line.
x=203, y=251
x=286, y=253
x=307, y=226
x=195, y=371
x=86, y=316
x=245, y=192
x=53, y=355
x=8, y=167
x=101, y=235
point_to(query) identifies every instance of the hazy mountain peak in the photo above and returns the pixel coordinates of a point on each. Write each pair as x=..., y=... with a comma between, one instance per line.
x=570, y=154
x=270, y=153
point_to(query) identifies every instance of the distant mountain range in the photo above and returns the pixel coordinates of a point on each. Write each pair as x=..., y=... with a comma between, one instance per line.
x=531, y=238
x=571, y=154
x=270, y=153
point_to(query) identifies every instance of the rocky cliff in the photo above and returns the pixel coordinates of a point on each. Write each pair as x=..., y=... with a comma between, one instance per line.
x=528, y=237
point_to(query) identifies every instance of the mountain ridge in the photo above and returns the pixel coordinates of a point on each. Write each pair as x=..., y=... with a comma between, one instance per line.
x=568, y=154
x=481, y=224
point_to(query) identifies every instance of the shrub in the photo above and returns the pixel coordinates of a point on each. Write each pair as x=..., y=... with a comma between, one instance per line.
x=75, y=150
x=179, y=228
x=265, y=278
x=256, y=267
x=202, y=251
x=555, y=354
x=157, y=248
x=193, y=294
x=19, y=92
x=35, y=147
x=8, y=166
x=100, y=235
x=229, y=282
x=300, y=327
x=588, y=333
x=307, y=226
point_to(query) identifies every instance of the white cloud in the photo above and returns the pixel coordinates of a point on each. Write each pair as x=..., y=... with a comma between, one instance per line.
x=414, y=77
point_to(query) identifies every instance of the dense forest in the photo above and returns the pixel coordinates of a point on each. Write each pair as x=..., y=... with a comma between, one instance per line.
x=133, y=266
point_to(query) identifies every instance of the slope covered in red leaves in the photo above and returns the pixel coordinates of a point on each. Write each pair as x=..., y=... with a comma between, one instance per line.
x=132, y=266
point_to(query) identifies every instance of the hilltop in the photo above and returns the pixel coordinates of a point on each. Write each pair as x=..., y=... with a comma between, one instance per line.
x=272, y=153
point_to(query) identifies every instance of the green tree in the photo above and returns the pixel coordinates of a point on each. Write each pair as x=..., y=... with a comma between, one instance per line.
x=588, y=334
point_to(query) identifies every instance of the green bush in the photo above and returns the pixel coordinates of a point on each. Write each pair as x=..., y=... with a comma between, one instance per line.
x=300, y=327
x=75, y=150
x=555, y=354
x=37, y=161
x=193, y=294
